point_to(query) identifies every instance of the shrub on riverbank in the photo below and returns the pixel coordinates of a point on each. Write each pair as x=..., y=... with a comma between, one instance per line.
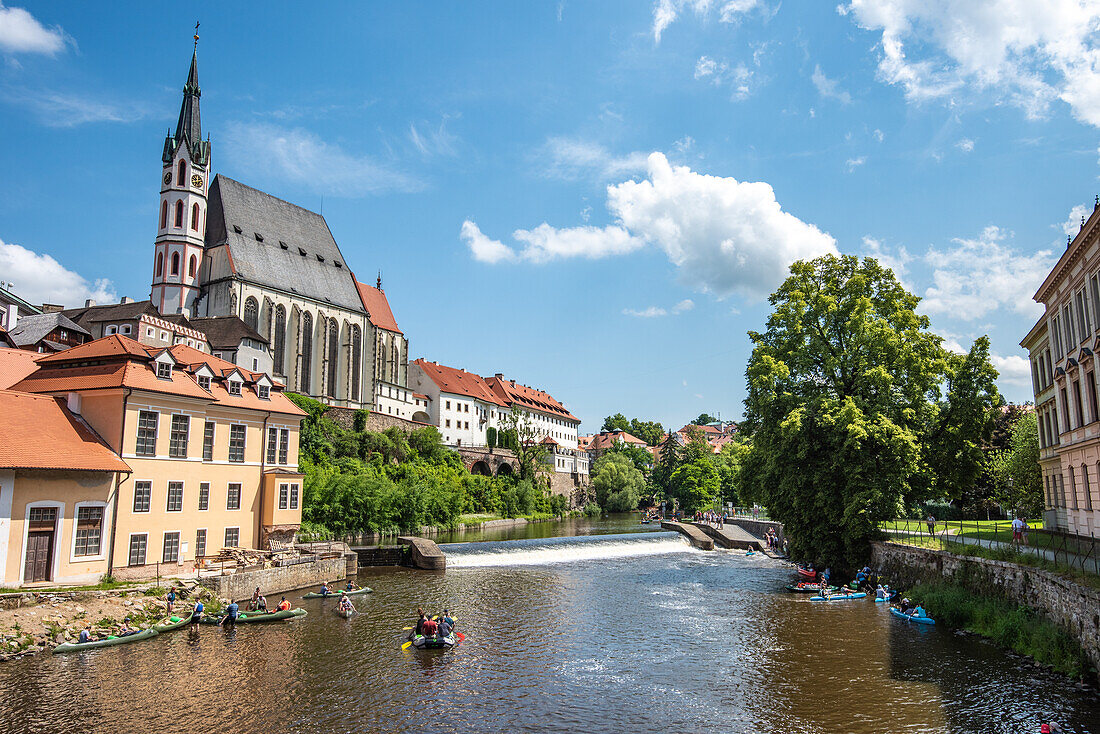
x=1008, y=625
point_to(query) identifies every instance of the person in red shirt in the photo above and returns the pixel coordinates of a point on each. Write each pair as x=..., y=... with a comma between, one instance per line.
x=430, y=628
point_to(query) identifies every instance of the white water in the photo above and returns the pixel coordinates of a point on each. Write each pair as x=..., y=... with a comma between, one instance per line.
x=563, y=550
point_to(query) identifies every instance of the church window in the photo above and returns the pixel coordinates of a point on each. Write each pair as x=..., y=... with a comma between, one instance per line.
x=307, y=351
x=251, y=311
x=160, y=264
x=279, y=338
x=163, y=214
x=195, y=217
x=179, y=213
x=175, y=263
x=181, y=175
x=356, y=349
x=333, y=353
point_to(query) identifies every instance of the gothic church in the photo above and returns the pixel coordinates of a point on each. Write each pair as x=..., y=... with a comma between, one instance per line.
x=227, y=249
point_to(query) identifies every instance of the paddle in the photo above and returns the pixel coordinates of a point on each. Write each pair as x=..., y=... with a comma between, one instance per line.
x=407, y=645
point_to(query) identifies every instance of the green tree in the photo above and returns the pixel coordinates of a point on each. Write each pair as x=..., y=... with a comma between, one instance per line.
x=728, y=463
x=1020, y=464
x=617, y=422
x=846, y=407
x=695, y=484
x=617, y=482
x=640, y=456
x=491, y=437
x=704, y=419
x=668, y=461
x=524, y=443
x=649, y=431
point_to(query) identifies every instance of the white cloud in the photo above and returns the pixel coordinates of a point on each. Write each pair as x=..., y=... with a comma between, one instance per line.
x=484, y=249
x=982, y=275
x=665, y=12
x=739, y=78
x=854, y=163
x=41, y=279
x=571, y=159
x=20, y=32
x=1014, y=370
x=829, y=88
x=684, y=145
x=1077, y=216
x=685, y=305
x=966, y=145
x=897, y=260
x=301, y=157
x=64, y=109
x=433, y=141
x=1028, y=53
x=649, y=313
x=879, y=135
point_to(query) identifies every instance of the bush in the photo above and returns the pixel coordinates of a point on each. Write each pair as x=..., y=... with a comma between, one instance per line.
x=592, y=510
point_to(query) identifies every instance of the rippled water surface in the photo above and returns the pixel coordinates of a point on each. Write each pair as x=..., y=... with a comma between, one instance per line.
x=606, y=633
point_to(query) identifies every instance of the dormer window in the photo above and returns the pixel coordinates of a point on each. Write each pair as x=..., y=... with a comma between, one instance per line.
x=204, y=383
x=264, y=392
x=237, y=229
x=259, y=237
x=234, y=387
x=164, y=370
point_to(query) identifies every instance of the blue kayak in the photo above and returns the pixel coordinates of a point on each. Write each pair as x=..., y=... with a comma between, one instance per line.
x=908, y=618
x=838, y=597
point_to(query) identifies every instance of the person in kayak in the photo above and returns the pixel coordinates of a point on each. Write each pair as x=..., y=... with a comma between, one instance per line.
x=125, y=629
x=345, y=603
x=86, y=634
x=880, y=593
x=918, y=611
x=429, y=628
x=420, y=617
x=255, y=603
x=904, y=606
x=230, y=618
x=447, y=618
x=325, y=591
x=351, y=586
x=284, y=605
x=196, y=615
x=827, y=575
x=261, y=604
x=444, y=627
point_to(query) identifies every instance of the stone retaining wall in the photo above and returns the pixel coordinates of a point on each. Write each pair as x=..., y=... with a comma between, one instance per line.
x=382, y=556
x=760, y=528
x=378, y=422
x=1073, y=607
x=277, y=580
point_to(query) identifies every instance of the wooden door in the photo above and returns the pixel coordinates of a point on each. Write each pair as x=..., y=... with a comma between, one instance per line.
x=39, y=556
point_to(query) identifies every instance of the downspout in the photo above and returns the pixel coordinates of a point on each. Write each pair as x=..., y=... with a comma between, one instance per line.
x=118, y=486
x=263, y=489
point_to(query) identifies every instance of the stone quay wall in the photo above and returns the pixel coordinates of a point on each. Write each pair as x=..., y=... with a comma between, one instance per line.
x=1073, y=607
x=345, y=418
x=277, y=580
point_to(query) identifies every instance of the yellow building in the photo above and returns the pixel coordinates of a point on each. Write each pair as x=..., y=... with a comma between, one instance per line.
x=56, y=482
x=212, y=450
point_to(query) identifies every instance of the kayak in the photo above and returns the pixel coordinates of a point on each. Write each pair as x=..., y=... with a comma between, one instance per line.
x=807, y=573
x=319, y=595
x=838, y=597
x=808, y=588
x=245, y=617
x=908, y=618
x=420, y=642
x=345, y=613
x=172, y=623
x=110, y=641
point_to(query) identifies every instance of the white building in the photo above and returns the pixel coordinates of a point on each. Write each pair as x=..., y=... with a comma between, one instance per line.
x=459, y=403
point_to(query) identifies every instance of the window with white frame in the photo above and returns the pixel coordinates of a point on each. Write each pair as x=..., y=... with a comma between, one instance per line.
x=89, y=531
x=234, y=387
x=175, y=497
x=181, y=429
x=164, y=370
x=171, y=553
x=232, y=537
x=284, y=445
x=200, y=542
x=143, y=492
x=236, y=443
x=233, y=496
x=147, y=433
x=138, y=545
x=294, y=496
x=204, y=495
x=264, y=392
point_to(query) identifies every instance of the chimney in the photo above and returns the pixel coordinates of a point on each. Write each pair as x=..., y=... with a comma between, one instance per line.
x=73, y=401
x=89, y=303
x=13, y=316
x=126, y=299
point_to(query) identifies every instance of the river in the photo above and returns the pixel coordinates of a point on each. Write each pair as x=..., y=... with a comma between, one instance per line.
x=605, y=632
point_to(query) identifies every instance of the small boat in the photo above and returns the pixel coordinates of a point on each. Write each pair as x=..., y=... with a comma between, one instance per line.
x=246, y=617
x=109, y=642
x=336, y=593
x=910, y=618
x=345, y=613
x=420, y=642
x=172, y=623
x=808, y=588
x=808, y=573
x=838, y=597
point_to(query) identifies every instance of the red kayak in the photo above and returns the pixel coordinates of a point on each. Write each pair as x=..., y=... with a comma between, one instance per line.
x=807, y=573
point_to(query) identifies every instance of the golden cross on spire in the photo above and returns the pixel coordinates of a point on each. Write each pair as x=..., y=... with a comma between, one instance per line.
x=196, y=35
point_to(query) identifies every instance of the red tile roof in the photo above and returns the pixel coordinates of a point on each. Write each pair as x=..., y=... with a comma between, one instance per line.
x=708, y=431
x=15, y=364
x=105, y=348
x=40, y=433
x=509, y=391
x=377, y=306
x=549, y=441
x=459, y=382
x=606, y=439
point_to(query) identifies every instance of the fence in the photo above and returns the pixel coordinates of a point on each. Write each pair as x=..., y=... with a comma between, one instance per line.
x=756, y=513
x=1064, y=549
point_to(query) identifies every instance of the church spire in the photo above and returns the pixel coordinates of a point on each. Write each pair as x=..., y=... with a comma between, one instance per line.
x=189, y=127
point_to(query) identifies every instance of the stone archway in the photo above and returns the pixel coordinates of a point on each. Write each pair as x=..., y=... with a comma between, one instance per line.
x=481, y=468
x=505, y=469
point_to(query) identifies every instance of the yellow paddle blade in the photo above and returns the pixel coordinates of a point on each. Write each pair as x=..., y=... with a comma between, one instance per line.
x=407, y=645
x=407, y=629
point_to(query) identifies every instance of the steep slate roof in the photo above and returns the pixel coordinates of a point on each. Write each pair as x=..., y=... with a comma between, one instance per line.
x=297, y=246
x=111, y=312
x=459, y=382
x=40, y=433
x=377, y=306
x=510, y=392
x=226, y=332
x=33, y=328
x=15, y=364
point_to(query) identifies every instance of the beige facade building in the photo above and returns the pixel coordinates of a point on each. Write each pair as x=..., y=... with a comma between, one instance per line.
x=1062, y=348
x=211, y=450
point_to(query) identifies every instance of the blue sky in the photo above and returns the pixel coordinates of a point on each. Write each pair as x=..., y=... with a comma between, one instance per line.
x=593, y=198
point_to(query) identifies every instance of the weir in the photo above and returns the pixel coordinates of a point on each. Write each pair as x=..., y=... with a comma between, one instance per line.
x=569, y=549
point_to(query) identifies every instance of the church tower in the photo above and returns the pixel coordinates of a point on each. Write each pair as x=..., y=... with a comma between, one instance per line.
x=185, y=180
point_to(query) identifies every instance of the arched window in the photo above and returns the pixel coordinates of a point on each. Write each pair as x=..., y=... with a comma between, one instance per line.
x=175, y=263
x=251, y=312
x=279, y=339
x=179, y=213
x=356, y=363
x=191, y=267
x=160, y=265
x=163, y=214
x=307, y=352
x=333, y=355
x=181, y=175
x=195, y=217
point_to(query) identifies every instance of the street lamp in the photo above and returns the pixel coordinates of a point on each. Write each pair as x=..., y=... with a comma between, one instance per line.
x=1015, y=509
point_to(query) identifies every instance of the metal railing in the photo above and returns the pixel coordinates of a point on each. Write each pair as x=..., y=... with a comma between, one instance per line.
x=1062, y=549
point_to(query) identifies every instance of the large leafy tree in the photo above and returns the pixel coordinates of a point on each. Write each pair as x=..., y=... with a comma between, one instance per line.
x=1020, y=464
x=639, y=455
x=617, y=482
x=523, y=439
x=649, y=431
x=704, y=419
x=728, y=463
x=853, y=405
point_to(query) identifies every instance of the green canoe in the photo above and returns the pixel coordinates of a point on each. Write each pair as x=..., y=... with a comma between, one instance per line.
x=109, y=642
x=172, y=623
x=246, y=617
x=319, y=595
